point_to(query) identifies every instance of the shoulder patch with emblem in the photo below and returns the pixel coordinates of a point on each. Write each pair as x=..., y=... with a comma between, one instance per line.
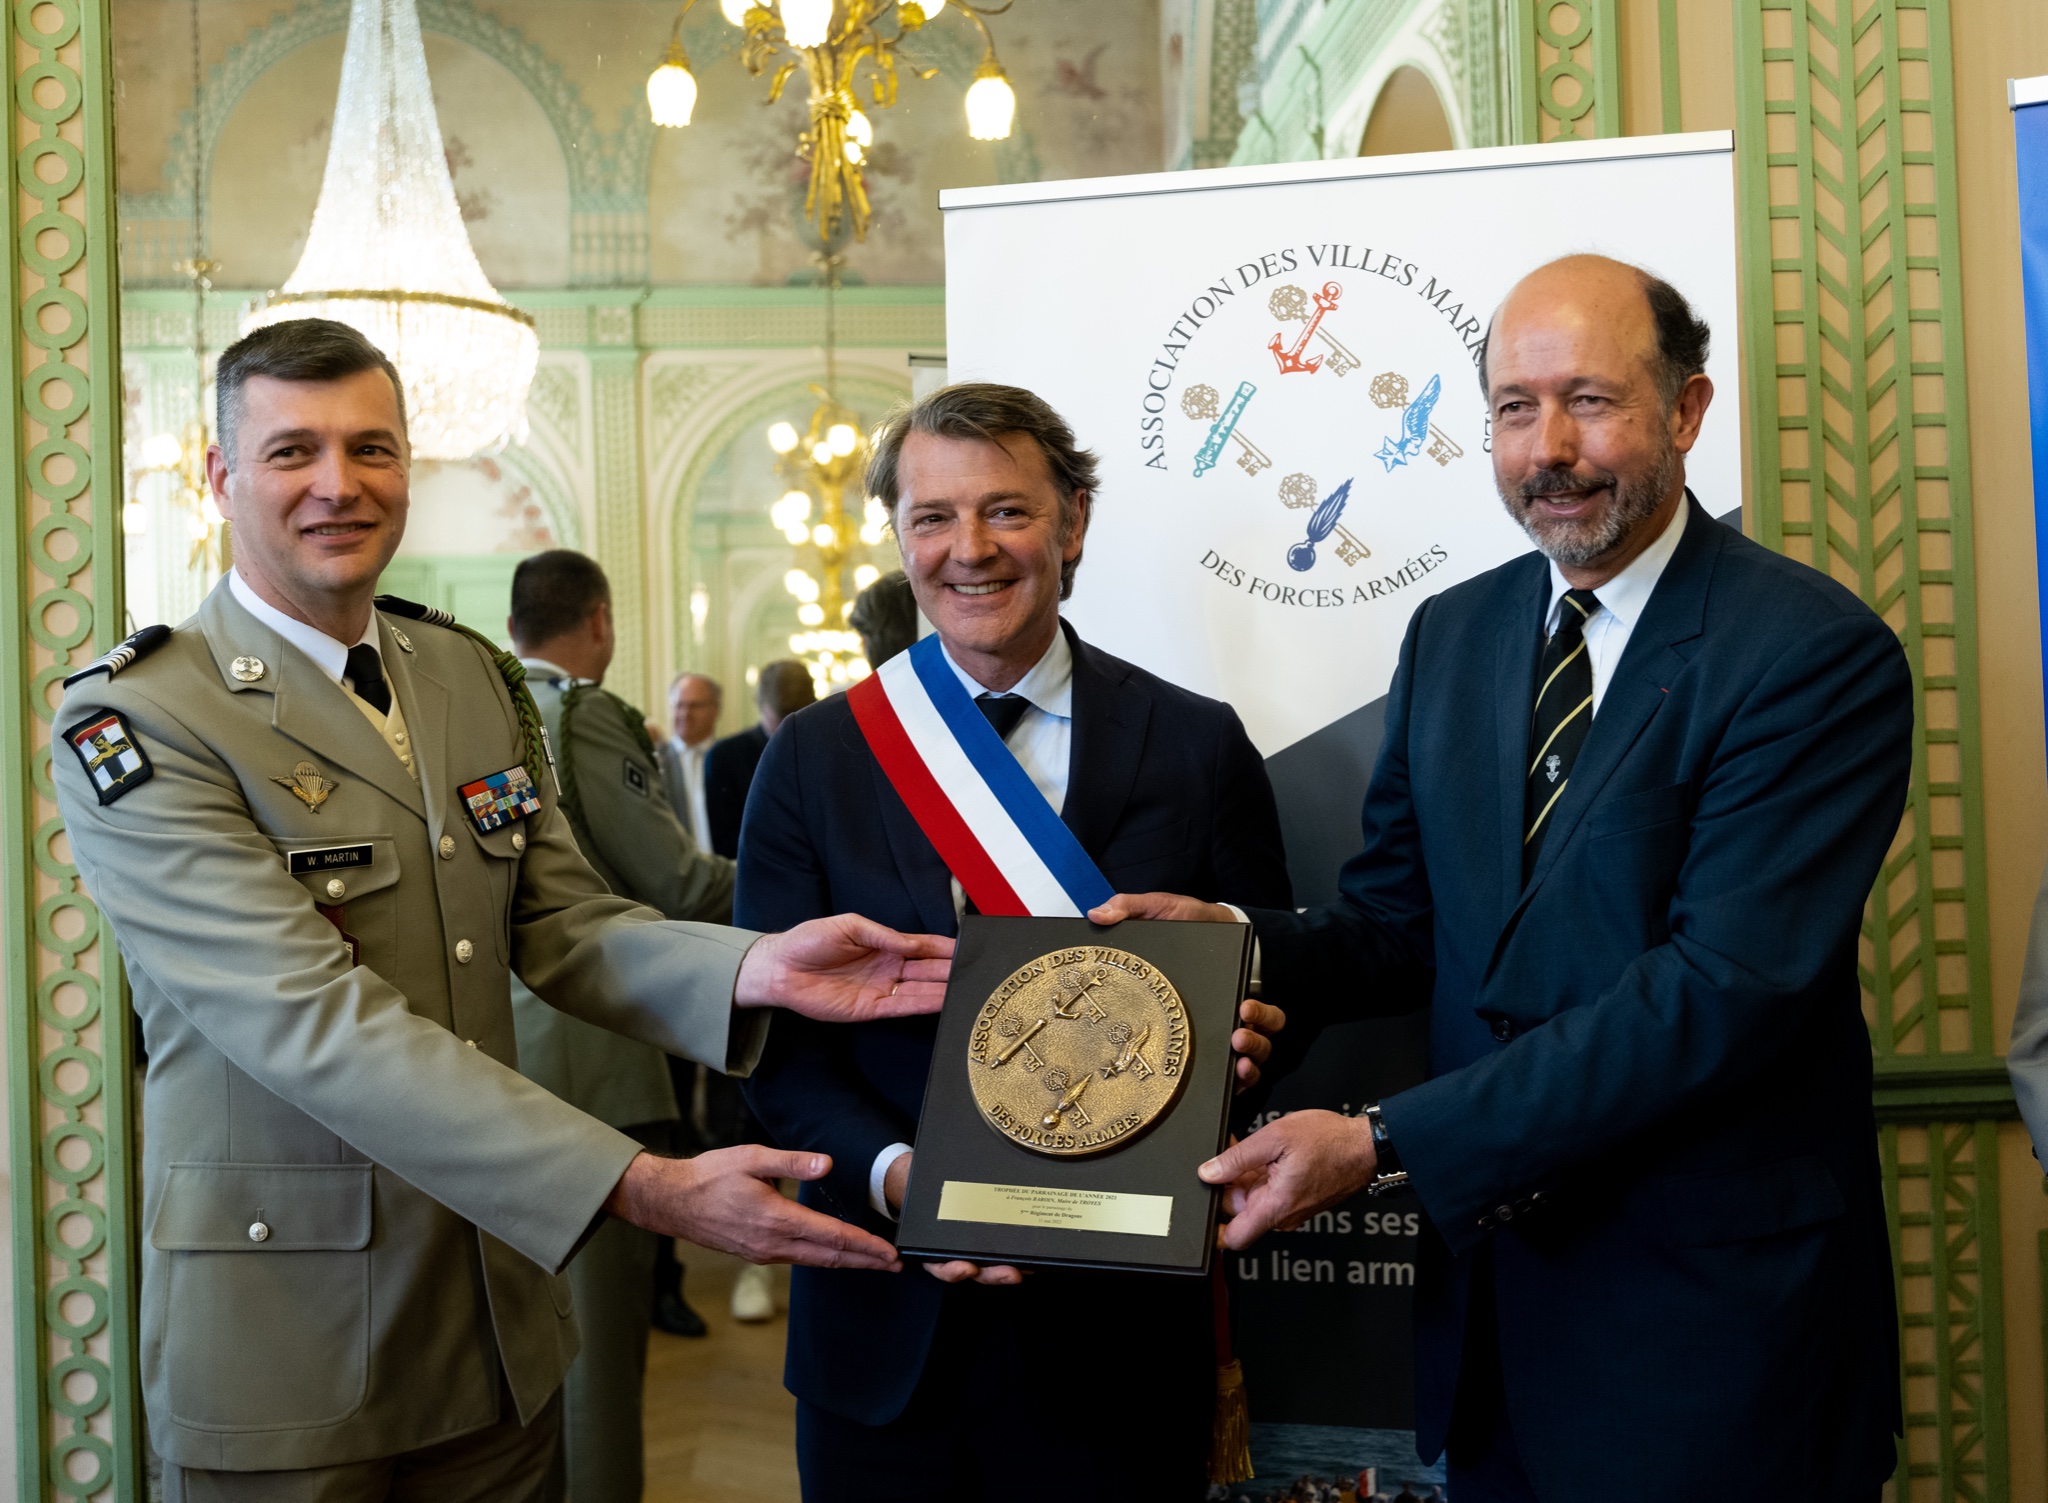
x=144, y=642
x=113, y=758
x=636, y=777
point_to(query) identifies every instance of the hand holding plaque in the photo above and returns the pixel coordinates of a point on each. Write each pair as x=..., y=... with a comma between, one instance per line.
x=1075, y=1087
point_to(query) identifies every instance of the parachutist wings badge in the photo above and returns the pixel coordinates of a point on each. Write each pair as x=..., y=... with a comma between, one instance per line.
x=308, y=786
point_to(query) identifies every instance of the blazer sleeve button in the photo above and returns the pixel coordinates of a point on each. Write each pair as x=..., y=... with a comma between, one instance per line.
x=1503, y=1029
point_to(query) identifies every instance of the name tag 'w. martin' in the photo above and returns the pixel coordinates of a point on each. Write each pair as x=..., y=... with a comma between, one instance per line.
x=327, y=858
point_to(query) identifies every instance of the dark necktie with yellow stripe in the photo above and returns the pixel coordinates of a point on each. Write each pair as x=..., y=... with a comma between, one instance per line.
x=1558, y=724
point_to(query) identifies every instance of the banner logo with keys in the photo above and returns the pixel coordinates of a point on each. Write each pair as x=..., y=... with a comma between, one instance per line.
x=1336, y=486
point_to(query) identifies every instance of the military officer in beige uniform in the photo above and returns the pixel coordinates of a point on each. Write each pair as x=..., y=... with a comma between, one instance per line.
x=618, y=809
x=327, y=836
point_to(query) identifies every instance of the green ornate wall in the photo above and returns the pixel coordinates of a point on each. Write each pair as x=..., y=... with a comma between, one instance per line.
x=1860, y=452
x=70, y=1129
x=1859, y=448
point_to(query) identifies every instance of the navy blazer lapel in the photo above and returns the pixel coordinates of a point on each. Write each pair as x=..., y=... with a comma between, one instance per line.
x=917, y=863
x=1110, y=717
x=1514, y=686
x=1674, y=614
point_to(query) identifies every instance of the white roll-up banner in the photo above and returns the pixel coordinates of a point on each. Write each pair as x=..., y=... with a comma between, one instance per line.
x=1278, y=369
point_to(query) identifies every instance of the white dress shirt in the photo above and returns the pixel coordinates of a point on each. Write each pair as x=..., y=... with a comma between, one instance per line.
x=1042, y=741
x=331, y=658
x=691, y=760
x=1622, y=600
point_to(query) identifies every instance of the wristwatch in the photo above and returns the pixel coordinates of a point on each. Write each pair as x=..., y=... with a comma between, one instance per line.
x=1387, y=1172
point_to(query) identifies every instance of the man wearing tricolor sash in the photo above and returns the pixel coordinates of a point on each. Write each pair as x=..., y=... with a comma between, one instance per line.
x=1002, y=766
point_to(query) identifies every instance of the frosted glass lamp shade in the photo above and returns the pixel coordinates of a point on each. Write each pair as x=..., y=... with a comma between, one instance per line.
x=806, y=23
x=991, y=105
x=672, y=91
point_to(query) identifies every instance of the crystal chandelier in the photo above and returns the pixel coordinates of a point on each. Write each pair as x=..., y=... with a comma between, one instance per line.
x=387, y=252
x=830, y=40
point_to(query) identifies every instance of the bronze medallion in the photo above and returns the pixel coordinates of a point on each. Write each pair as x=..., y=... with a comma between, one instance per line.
x=1079, y=1051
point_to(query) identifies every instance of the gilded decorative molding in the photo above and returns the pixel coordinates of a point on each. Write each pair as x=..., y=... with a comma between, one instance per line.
x=71, y=1128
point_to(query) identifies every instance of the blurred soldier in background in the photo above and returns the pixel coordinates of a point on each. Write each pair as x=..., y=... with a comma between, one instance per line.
x=619, y=811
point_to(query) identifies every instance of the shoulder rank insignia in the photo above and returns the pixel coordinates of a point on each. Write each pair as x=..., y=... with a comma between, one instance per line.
x=113, y=758
x=412, y=610
x=539, y=757
x=308, y=785
x=636, y=777
x=142, y=643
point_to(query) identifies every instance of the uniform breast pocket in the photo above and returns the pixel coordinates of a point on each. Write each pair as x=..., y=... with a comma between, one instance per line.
x=268, y=1293
x=357, y=876
x=502, y=849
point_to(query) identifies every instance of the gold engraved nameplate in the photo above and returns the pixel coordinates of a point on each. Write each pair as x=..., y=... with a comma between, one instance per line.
x=1079, y=1051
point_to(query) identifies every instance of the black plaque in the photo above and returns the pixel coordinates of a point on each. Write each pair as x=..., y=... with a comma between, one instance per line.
x=977, y=1192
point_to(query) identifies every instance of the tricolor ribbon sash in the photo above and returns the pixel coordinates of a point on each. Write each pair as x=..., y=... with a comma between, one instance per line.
x=982, y=814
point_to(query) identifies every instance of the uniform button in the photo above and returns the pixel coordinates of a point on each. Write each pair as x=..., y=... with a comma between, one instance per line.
x=1541, y=1197
x=1503, y=1029
x=463, y=951
x=518, y=841
x=470, y=1042
x=258, y=1232
x=399, y=737
x=447, y=847
x=337, y=889
x=1486, y=1223
x=1504, y=1213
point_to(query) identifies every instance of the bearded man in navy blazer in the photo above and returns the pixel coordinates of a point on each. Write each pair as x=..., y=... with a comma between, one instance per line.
x=941, y=1385
x=1634, y=791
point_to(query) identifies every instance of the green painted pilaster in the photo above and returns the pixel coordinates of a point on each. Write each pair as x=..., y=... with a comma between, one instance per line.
x=1673, y=119
x=1564, y=70
x=1860, y=458
x=620, y=536
x=70, y=1131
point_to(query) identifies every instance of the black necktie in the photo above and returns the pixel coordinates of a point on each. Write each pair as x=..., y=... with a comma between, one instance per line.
x=366, y=674
x=1003, y=711
x=1558, y=724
